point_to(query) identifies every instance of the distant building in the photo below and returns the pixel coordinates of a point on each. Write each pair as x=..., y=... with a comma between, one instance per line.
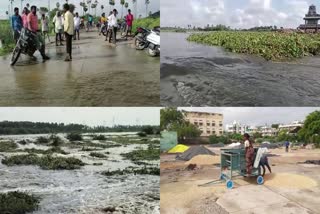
x=293, y=127
x=237, y=128
x=208, y=123
x=311, y=20
x=267, y=131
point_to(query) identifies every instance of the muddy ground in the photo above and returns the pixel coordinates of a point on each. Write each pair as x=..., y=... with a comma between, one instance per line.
x=180, y=193
x=99, y=75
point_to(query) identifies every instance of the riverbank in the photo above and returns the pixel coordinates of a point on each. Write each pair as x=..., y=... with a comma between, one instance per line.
x=275, y=46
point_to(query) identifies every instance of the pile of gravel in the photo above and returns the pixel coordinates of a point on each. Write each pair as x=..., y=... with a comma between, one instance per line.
x=217, y=145
x=194, y=151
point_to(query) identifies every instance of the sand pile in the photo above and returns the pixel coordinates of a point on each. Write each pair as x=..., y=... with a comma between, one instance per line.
x=287, y=180
x=178, y=149
x=194, y=151
x=204, y=160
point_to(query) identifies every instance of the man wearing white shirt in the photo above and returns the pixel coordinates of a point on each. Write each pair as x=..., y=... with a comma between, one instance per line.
x=77, y=22
x=113, y=23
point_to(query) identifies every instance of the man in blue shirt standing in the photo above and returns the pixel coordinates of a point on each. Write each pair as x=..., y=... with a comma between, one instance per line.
x=16, y=24
x=287, y=144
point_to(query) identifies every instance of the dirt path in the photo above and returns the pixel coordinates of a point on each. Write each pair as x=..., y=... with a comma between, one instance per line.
x=99, y=75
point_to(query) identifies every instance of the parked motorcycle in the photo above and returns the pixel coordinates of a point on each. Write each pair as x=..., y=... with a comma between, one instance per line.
x=104, y=29
x=26, y=45
x=150, y=39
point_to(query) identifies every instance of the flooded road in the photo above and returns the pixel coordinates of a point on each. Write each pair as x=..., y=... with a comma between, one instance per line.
x=84, y=190
x=198, y=75
x=99, y=75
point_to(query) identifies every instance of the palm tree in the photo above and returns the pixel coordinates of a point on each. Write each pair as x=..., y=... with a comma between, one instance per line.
x=122, y=3
x=94, y=6
x=147, y=4
x=11, y=1
x=58, y=5
x=102, y=7
x=135, y=7
x=28, y=5
x=111, y=3
x=88, y=3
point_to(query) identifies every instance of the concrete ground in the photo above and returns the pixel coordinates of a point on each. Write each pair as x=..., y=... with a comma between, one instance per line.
x=180, y=191
x=99, y=75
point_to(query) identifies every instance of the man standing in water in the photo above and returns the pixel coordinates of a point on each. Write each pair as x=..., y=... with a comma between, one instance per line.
x=112, y=19
x=16, y=24
x=32, y=21
x=68, y=30
x=249, y=153
x=77, y=23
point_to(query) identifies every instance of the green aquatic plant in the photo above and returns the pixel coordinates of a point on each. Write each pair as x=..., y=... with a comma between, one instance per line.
x=7, y=146
x=18, y=203
x=275, y=46
x=152, y=153
x=97, y=155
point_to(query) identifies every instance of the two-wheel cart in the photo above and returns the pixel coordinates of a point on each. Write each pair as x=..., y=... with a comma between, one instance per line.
x=233, y=164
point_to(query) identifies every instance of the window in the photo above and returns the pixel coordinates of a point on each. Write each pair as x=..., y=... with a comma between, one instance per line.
x=213, y=132
x=208, y=131
x=220, y=132
x=200, y=123
x=195, y=123
x=208, y=124
x=213, y=124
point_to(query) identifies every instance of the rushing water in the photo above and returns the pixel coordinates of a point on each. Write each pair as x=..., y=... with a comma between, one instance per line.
x=198, y=75
x=99, y=75
x=84, y=190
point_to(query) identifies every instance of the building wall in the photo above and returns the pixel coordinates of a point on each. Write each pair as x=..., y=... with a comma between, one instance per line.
x=208, y=123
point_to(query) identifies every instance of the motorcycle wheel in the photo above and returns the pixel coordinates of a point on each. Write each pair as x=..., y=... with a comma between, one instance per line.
x=15, y=55
x=152, y=52
x=104, y=32
x=139, y=45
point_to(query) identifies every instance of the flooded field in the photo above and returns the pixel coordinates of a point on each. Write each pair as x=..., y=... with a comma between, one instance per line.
x=99, y=75
x=199, y=75
x=88, y=189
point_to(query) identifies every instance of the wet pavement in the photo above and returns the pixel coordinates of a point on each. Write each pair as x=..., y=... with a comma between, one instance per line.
x=99, y=75
x=84, y=190
x=198, y=75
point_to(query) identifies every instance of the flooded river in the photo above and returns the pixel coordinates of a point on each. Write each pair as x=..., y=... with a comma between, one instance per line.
x=84, y=190
x=199, y=75
x=99, y=75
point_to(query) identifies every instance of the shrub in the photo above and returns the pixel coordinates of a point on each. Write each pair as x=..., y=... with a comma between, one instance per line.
x=148, y=130
x=141, y=134
x=74, y=137
x=134, y=170
x=141, y=154
x=42, y=140
x=7, y=146
x=56, y=140
x=99, y=137
x=18, y=203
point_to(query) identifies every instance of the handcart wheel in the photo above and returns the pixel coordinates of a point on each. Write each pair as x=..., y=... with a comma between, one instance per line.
x=229, y=184
x=260, y=180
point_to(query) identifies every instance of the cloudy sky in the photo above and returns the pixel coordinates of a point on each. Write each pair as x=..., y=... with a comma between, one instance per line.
x=235, y=13
x=88, y=116
x=154, y=5
x=258, y=116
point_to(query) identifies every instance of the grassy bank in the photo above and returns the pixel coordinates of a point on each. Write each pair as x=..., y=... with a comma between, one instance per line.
x=18, y=203
x=45, y=162
x=6, y=37
x=269, y=45
x=133, y=170
x=148, y=23
x=151, y=153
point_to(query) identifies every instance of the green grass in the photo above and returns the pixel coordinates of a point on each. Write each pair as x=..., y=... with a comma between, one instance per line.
x=97, y=155
x=146, y=23
x=98, y=137
x=269, y=45
x=18, y=203
x=45, y=162
x=6, y=37
x=45, y=152
x=7, y=146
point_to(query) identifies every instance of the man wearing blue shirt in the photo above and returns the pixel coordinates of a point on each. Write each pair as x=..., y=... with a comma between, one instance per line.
x=16, y=24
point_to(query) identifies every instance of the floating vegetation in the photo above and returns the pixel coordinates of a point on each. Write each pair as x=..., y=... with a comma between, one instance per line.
x=24, y=142
x=269, y=45
x=42, y=140
x=97, y=155
x=99, y=137
x=18, y=203
x=45, y=152
x=89, y=149
x=143, y=154
x=7, y=146
x=74, y=137
x=45, y=162
x=134, y=170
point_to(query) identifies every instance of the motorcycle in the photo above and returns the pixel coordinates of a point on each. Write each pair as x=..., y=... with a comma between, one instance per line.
x=26, y=44
x=150, y=39
x=104, y=29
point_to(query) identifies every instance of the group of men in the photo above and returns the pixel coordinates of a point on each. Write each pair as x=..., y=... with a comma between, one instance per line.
x=29, y=20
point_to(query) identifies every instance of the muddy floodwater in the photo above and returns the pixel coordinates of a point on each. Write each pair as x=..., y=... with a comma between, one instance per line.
x=199, y=75
x=99, y=75
x=84, y=190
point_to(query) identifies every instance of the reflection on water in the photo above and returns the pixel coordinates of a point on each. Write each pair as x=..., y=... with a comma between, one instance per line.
x=198, y=75
x=84, y=190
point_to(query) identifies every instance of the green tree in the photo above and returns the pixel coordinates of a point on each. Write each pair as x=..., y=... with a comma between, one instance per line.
x=170, y=116
x=186, y=130
x=275, y=126
x=44, y=10
x=122, y=2
x=311, y=129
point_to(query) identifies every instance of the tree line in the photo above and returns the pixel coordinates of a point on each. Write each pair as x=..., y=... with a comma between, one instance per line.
x=25, y=127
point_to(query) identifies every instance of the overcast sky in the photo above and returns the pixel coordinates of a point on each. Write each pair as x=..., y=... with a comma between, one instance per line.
x=88, y=116
x=258, y=116
x=154, y=5
x=235, y=13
